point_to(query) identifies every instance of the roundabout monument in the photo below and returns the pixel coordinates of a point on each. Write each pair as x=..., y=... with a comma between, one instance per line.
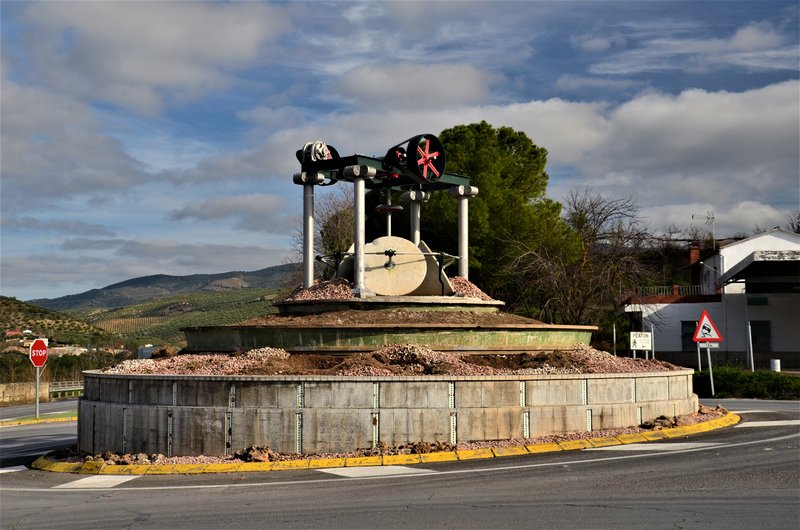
x=197, y=414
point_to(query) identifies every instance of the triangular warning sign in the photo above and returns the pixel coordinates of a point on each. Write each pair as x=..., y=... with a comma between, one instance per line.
x=706, y=330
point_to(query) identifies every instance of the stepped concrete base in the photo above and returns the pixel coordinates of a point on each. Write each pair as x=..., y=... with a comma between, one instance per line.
x=346, y=339
x=218, y=415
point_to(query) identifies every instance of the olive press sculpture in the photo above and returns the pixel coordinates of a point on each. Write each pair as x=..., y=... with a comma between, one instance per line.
x=416, y=167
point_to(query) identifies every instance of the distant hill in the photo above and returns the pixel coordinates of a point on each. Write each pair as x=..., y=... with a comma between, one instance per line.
x=161, y=286
x=160, y=321
x=61, y=328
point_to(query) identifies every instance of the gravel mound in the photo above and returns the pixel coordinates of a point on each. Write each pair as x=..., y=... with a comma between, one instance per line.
x=341, y=289
x=392, y=360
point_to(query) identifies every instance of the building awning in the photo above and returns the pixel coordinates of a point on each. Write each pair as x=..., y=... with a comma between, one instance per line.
x=767, y=271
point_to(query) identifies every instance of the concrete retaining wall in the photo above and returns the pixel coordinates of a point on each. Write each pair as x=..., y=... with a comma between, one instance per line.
x=218, y=415
x=14, y=393
x=369, y=337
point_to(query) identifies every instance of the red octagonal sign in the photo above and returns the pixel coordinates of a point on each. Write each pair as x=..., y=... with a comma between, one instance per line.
x=38, y=353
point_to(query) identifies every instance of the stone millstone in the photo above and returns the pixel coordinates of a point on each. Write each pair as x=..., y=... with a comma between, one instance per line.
x=403, y=274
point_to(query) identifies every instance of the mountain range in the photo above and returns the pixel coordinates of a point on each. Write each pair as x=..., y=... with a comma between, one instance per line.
x=159, y=286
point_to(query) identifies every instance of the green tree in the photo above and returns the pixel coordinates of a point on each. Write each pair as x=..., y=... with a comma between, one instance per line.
x=509, y=171
x=587, y=287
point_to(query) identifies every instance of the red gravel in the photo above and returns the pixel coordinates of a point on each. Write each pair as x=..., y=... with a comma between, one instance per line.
x=392, y=360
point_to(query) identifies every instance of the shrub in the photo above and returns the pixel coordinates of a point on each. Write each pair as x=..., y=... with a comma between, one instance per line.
x=732, y=382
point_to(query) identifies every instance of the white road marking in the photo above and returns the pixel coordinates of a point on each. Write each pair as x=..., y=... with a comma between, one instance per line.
x=655, y=446
x=376, y=471
x=776, y=423
x=12, y=469
x=97, y=481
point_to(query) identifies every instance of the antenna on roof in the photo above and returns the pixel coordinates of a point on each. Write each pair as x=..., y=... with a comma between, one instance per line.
x=709, y=217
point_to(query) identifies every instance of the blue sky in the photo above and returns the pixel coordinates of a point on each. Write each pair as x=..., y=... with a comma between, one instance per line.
x=159, y=137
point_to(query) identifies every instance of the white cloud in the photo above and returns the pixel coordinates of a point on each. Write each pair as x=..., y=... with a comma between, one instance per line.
x=415, y=86
x=572, y=83
x=128, y=53
x=257, y=212
x=756, y=46
x=54, y=146
x=59, y=226
x=598, y=41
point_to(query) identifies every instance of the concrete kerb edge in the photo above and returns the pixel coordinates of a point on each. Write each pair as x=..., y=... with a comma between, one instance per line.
x=14, y=423
x=98, y=468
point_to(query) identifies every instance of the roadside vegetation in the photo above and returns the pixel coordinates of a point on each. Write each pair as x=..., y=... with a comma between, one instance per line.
x=15, y=367
x=732, y=382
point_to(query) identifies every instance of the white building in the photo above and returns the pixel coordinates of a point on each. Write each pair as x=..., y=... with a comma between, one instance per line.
x=753, y=283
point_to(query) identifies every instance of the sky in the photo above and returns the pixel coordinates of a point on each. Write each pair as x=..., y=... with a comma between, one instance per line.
x=142, y=138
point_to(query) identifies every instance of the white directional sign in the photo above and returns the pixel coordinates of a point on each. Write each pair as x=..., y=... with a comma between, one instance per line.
x=641, y=340
x=706, y=330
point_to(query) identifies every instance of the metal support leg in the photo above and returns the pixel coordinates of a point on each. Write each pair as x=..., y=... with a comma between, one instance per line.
x=308, y=235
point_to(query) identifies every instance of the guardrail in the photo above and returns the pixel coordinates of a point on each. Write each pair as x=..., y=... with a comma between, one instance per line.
x=66, y=385
x=675, y=290
x=62, y=389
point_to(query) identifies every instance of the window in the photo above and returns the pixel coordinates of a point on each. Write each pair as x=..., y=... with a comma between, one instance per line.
x=687, y=333
x=757, y=300
x=762, y=340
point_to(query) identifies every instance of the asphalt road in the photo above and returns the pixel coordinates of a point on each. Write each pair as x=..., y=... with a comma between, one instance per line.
x=45, y=407
x=746, y=476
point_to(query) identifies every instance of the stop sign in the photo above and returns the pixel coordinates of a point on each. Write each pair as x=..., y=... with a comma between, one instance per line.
x=38, y=353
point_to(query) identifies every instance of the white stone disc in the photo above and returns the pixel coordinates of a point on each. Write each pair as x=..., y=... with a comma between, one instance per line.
x=406, y=272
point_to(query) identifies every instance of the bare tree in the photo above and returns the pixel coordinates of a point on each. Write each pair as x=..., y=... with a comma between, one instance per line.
x=333, y=224
x=575, y=285
x=793, y=222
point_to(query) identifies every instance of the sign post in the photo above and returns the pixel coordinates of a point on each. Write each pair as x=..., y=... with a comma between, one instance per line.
x=707, y=334
x=38, y=356
x=641, y=341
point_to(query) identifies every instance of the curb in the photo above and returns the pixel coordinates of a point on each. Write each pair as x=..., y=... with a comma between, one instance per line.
x=101, y=468
x=13, y=423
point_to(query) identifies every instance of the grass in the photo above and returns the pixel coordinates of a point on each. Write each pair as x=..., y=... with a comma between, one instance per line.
x=65, y=416
x=730, y=382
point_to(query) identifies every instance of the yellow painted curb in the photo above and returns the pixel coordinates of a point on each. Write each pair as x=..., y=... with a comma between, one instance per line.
x=472, y=454
x=570, y=445
x=192, y=469
x=255, y=466
x=215, y=468
x=632, y=438
x=363, y=461
x=653, y=435
x=321, y=463
x=12, y=423
x=605, y=441
x=544, y=448
x=444, y=456
x=161, y=469
x=676, y=432
x=92, y=467
x=401, y=460
x=510, y=451
x=281, y=465
x=130, y=469
x=99, y=467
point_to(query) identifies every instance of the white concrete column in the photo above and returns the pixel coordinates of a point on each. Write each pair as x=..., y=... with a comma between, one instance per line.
x=359, y=174
x=308, y=235
x=463, y=193
x=389, y=214
x=416, y=197
x=308, y=180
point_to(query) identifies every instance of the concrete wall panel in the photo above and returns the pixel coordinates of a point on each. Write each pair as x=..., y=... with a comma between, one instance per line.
x=337, y=413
